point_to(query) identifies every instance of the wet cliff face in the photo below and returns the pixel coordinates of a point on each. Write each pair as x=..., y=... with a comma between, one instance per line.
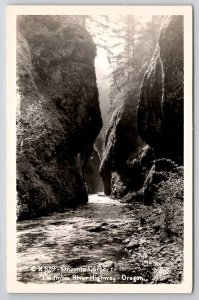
x=92, y=175
x=126, y=168
x=58, y=112
x=160, y=109
x=122, y=145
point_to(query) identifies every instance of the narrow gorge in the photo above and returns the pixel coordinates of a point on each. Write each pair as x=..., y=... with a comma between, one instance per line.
x=100, y=158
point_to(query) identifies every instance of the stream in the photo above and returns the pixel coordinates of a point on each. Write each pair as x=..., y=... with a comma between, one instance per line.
x=102, y=241
x=76, y=246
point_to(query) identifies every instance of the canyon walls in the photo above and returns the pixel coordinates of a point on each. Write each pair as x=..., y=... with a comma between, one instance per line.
x=160, y=109
x=148, y=132
x=122, y=145
x=58, y=114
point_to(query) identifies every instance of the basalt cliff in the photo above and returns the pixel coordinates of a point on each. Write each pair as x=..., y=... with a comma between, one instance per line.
x=144, y=141
x=58, y=114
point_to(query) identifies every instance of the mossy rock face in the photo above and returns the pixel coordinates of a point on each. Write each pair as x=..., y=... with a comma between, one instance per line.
x=92, y=174
x=122, y=144
x=58, y=115
x=160, y=109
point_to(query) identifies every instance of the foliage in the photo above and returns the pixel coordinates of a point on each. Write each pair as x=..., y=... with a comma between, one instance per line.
x=130, y=42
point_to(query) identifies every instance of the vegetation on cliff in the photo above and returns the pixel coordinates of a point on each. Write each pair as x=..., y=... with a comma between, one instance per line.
x=58, y=112
x=157, y=121
x=160, y=109
x=135, y=230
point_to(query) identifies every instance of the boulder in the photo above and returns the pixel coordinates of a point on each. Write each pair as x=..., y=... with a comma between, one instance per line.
x=161, y=173
x=133, y=244
x=108, y=264
x=58, y=114
x=163, y=275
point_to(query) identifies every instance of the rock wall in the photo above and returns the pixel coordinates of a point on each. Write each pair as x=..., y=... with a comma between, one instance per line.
x=92, y=174
x=58, y=115
x=122, y=145
x=128, y=170
x=160, y=109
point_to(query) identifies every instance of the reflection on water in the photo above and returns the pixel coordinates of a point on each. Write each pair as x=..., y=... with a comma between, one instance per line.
x=90, y=235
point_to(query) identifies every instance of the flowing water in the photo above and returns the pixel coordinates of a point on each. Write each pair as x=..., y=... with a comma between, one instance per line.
x=75, y=246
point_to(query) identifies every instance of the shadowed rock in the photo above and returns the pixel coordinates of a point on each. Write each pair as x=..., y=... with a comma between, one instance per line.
x=92, y=175
x=122, y=142
x=58, y=112
x=160, y=109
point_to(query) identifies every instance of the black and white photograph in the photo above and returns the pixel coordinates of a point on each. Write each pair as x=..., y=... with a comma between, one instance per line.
x=99, y=192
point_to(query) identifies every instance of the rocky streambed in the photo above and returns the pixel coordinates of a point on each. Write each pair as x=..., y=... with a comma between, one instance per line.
x=103, y=241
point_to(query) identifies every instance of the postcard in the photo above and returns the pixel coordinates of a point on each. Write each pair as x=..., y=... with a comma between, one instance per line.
x=99, y=149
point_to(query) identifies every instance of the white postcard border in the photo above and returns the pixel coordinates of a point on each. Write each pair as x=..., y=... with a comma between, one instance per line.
x=13, y=286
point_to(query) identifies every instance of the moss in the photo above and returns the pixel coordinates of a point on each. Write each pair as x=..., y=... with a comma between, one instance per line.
x=58, y=113
x=122, y=142
x=160, y=108
x=163, y=178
